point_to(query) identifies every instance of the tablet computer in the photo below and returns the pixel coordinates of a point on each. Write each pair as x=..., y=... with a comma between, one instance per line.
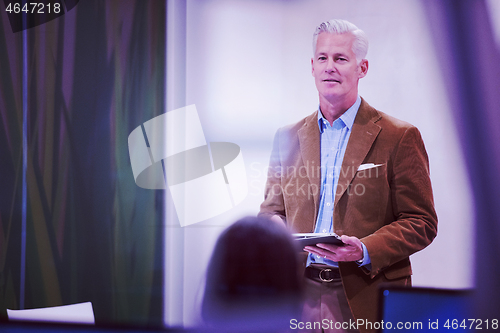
x=311, y=239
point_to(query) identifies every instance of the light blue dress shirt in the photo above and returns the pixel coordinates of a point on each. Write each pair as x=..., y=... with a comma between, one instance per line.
x=334, y=140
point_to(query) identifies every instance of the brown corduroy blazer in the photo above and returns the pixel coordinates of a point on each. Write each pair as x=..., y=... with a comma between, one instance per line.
x=387, y=204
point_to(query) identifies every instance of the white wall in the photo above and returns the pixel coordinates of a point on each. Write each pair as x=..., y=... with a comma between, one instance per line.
x=248, y=72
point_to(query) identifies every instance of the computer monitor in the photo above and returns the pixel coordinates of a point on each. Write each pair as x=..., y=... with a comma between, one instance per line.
x=427, y=310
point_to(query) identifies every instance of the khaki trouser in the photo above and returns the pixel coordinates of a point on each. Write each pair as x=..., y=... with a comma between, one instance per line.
x=325, y=308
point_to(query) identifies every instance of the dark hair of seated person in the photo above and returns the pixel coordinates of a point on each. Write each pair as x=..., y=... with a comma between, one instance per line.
x=252, y=278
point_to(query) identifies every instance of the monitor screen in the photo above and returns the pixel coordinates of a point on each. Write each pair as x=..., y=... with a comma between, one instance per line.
x=426, y=309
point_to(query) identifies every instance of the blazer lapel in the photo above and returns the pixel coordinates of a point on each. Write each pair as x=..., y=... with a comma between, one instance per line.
x=309, y=142
x=364, y=132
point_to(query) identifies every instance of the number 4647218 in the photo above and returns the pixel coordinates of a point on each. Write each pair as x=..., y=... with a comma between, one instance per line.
x=34, y=8
x=475, y=324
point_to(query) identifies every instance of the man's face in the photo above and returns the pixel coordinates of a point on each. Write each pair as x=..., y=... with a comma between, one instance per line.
x=335, y=69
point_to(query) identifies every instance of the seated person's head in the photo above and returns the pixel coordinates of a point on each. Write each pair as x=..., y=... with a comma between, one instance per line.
x=252, y=277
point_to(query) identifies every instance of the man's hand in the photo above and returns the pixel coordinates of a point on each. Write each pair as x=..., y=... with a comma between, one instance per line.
x=352, y=250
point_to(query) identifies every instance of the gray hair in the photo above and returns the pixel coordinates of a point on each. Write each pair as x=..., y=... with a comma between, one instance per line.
x=338, y=27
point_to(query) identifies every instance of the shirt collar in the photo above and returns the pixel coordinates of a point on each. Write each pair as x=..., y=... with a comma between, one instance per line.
x=347, y=117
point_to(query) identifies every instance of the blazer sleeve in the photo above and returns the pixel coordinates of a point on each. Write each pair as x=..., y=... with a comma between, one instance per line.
x=274, y=203
x=415, y=224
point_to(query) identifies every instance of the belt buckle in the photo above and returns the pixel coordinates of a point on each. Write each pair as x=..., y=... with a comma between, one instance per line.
x=321, y=277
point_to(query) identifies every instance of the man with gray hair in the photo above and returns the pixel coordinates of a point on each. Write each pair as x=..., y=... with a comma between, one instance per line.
x=355, y=171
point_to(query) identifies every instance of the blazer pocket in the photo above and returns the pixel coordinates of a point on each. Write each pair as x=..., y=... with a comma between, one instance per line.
x=371, y=183
x=367, y=195
x=371, y=170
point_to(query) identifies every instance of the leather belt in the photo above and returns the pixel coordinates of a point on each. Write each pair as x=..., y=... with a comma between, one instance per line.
x=323, y=273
